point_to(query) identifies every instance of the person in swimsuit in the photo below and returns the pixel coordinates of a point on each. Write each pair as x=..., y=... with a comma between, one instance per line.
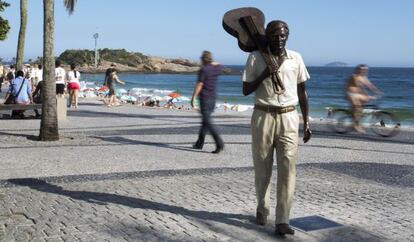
x=356, y=94
x=111, y=82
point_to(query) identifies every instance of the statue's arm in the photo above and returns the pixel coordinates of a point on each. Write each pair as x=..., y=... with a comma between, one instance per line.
x=249, y=87
x=304, y=107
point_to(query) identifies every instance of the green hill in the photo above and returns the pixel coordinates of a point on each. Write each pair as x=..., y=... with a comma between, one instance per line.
x=120, y=56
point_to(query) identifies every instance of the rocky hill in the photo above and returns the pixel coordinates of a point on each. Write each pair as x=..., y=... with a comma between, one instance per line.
x=126, y=61
x=337, y=64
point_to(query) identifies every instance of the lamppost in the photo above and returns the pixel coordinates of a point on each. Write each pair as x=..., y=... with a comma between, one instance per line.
x=96, y=36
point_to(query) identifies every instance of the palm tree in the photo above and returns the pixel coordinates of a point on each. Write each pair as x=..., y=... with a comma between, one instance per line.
x=22, y=34
x=49, y=130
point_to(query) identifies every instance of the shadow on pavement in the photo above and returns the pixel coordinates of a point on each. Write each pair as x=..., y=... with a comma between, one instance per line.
x=322, y=130
x=111, y=114
x=125, y=141
x=29, y=137
x=238, y=220
x=347, y=233
x=388, y=174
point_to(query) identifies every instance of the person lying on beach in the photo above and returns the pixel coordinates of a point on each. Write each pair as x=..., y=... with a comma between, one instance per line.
x=150, y=102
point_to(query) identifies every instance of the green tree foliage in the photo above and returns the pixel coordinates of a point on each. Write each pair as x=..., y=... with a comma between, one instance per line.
x=78, y=57
x=120, y=56
x=124, y=57
x=4, y=24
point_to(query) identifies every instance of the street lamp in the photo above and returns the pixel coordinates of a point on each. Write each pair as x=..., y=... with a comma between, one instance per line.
x=96, y=36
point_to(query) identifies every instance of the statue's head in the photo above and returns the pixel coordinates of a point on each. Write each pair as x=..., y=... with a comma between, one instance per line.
x=277, y=33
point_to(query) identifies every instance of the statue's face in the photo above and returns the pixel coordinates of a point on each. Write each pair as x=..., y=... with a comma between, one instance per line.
x=278, y=38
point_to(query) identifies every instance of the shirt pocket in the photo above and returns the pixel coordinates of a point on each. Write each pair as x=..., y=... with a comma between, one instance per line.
x=291, y=67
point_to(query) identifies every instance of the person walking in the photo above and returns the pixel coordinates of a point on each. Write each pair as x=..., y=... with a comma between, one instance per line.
x=205, y=88
x=108, y=72
x=275, y=123
x=73, y=77
x=111, y=82
x=38, y=75
x=60, y=75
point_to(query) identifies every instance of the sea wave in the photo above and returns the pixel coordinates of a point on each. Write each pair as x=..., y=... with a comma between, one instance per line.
x=156, y=94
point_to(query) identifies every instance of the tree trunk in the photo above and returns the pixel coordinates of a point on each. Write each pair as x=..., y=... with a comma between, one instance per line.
x=49, y=125
x=22, y=35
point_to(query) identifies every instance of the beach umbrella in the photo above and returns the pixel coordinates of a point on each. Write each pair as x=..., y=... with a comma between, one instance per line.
x=174, y=95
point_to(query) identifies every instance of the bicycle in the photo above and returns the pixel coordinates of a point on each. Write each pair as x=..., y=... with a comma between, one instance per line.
x=381, y=122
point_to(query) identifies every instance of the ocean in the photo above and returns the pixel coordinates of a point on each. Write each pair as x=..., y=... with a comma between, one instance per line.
x=325, y=88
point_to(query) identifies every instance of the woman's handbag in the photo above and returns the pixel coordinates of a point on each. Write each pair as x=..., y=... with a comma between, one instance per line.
x=10, y=100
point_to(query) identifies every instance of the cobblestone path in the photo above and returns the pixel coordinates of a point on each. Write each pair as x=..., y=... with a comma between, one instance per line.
x=214, y=204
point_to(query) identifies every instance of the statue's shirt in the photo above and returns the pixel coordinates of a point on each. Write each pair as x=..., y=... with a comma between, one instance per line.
x=292, y=72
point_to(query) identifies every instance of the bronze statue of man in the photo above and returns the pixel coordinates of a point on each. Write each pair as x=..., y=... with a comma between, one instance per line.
x=275, y=122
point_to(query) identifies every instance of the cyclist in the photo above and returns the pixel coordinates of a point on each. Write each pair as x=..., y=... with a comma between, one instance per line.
x=356, y=94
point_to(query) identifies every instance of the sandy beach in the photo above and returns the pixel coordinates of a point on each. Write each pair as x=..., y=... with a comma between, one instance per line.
x=359, y=181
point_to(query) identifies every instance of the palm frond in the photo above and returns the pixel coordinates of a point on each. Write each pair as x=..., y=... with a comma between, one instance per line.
x=70, y=5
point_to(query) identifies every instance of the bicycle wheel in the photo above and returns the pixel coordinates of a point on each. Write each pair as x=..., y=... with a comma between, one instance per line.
x=340, y=120
x=385, y=124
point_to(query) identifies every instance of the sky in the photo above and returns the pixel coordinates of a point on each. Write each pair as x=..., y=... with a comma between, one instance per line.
x=374, y=32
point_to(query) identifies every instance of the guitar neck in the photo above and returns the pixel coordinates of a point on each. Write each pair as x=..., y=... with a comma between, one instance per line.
x=254, y=33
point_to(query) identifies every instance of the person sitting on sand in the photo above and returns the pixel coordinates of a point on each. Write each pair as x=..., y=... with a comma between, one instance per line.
x=111, y=82
x=170, y=104
x=356, y=94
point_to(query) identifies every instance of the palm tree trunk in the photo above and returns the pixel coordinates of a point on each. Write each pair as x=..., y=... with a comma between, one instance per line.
x=49, y=125
x=22, y=35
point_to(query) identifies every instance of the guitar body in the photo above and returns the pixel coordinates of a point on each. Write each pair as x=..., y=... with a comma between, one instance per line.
x=247, y=25
x=233, y=24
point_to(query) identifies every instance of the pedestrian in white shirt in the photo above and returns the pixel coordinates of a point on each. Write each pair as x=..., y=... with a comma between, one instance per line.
x=60, y=75
x=73, y=77
x=37, y=75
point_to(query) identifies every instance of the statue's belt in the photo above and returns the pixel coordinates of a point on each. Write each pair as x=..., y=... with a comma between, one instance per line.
x=274, y=109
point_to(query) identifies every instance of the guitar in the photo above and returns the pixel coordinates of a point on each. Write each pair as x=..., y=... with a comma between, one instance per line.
x=247, y=25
